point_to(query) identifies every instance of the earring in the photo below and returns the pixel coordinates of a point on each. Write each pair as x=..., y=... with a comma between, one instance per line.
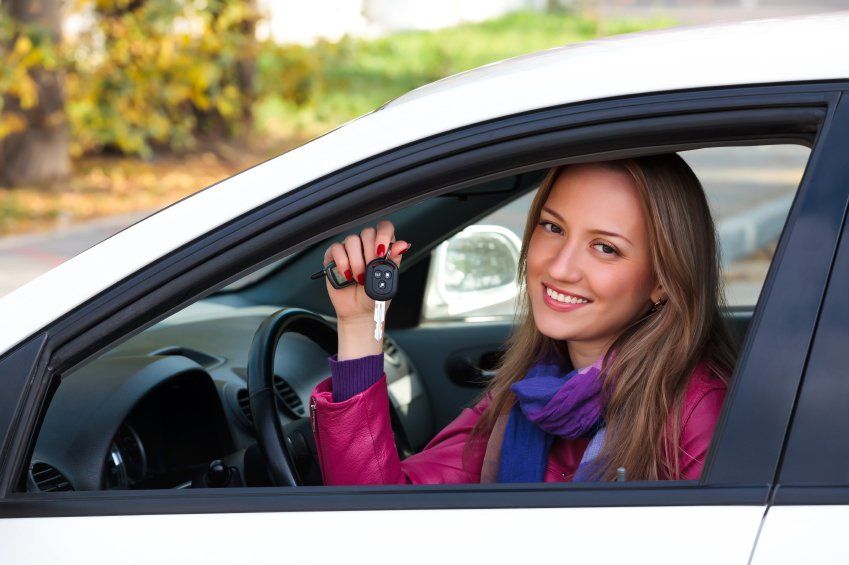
x=657, y=305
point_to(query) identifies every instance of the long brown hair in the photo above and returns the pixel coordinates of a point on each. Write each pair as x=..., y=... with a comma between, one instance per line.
x=656, y=353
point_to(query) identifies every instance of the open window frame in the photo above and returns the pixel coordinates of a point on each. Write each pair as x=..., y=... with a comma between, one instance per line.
x=750, y=436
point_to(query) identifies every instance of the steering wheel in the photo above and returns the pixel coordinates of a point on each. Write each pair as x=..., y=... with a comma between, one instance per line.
x=261, y=394
x=271, y=436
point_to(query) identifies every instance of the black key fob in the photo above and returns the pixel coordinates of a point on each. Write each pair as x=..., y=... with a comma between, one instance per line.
x=381, y=279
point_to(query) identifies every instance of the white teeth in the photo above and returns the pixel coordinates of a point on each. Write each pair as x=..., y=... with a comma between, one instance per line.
x=564, y=298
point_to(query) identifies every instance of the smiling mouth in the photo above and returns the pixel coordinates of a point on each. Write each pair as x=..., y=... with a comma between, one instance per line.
x=563, y=297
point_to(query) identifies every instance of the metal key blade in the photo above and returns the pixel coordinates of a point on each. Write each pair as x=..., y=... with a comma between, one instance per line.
x=379, y=316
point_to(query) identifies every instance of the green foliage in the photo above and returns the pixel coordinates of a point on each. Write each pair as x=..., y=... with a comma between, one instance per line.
x=11, y=211
x=160, y=73
x=24, y=50
x=337, y=82
x=164, y=74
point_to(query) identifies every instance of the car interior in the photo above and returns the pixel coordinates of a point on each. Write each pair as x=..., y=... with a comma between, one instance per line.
x=171, y=406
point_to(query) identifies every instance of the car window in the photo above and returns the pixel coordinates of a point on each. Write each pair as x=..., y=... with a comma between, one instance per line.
x=750, y=190
x=169, y=407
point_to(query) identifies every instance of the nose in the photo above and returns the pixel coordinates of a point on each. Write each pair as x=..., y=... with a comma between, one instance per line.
x=565, y=265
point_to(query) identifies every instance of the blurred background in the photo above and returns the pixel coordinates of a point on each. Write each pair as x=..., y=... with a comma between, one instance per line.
x=112, y=109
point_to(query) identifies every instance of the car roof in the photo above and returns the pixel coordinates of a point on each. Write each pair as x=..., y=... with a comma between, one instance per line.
x=806, y=48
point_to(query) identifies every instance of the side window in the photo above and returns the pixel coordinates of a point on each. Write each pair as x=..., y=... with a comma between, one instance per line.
x=749, y=189
x=169, y=407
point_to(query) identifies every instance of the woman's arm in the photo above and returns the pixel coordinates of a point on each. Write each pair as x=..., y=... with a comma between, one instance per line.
x=350, y=411
x=351, y=377
x=699, y=421
x=356, y=445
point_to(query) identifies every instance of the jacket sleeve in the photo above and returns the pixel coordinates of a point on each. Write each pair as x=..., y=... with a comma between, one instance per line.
x=356, y=445
x=697, y=431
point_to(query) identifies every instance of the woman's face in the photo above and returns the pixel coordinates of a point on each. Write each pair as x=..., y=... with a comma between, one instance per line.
x=588, y=264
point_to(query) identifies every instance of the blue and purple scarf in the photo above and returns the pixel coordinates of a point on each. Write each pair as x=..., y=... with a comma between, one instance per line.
x=551, y=404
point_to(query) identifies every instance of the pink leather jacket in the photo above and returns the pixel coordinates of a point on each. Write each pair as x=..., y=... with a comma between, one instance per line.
x=356, y=445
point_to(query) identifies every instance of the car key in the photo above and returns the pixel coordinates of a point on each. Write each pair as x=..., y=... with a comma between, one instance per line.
x=381, y=286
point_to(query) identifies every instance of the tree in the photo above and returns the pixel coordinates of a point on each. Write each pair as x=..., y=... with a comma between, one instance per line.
x=38, y=153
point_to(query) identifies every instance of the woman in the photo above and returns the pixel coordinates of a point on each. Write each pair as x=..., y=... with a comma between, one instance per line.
x=620, y=279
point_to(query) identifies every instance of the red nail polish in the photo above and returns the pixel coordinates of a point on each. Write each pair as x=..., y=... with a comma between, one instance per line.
x=381, y=250
x=409, y=245
x=361, y=279
x=349, y=275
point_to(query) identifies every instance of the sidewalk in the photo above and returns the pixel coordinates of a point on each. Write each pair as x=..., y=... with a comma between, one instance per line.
x=24, y=257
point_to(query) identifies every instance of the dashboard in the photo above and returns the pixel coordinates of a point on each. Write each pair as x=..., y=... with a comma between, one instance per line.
x=157, y=410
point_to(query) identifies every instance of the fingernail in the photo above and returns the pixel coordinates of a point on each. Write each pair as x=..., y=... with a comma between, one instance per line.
x=349, y=275
x=409, y=245
x=361, y=279
x=381, y=250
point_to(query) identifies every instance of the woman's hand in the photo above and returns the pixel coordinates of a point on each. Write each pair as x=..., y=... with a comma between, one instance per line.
x=355, y=310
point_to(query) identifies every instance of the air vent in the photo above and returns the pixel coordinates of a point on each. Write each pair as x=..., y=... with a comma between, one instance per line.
x=288, y=401
x=245, y=404
x=289, y=398
x=48, y=479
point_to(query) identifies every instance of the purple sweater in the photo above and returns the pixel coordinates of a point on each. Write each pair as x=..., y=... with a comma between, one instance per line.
x=354, y=376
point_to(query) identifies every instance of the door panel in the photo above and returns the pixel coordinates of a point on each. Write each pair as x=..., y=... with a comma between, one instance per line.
x=542, y=535
x=803, y=534
x=432, y=345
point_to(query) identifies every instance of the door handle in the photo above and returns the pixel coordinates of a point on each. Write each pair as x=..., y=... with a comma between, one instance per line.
x=472, y=368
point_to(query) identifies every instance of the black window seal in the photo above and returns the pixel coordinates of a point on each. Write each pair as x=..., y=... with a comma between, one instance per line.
x=810, y=495
x=61, y=335
x=793, y=292
x=419, y=497
x=810, y=466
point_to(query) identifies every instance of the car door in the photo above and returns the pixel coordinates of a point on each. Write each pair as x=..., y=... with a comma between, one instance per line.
x=663, y=520
x=809, y=513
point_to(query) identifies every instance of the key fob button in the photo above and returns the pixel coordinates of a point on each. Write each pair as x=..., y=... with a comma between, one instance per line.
x=381, y=280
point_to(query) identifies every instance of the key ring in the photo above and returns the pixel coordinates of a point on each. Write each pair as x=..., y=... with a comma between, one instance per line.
x=337, y=279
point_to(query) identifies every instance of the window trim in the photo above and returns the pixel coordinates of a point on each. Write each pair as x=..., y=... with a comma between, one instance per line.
x=388, y=497
x=792, y=299
x=432, y=166
x=810, y=464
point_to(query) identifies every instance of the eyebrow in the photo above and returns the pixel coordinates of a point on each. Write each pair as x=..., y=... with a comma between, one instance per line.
x=600, y=232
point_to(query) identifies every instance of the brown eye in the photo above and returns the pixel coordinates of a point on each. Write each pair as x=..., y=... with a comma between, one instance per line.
x=606, y=249
x=550, y=227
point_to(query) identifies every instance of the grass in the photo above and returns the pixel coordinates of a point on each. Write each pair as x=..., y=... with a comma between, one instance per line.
x=335, y=83
x=358, y=76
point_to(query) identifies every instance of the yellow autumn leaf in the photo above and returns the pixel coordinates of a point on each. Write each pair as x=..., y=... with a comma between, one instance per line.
x=11, y=123
x=23, y=45
x=26, y=91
